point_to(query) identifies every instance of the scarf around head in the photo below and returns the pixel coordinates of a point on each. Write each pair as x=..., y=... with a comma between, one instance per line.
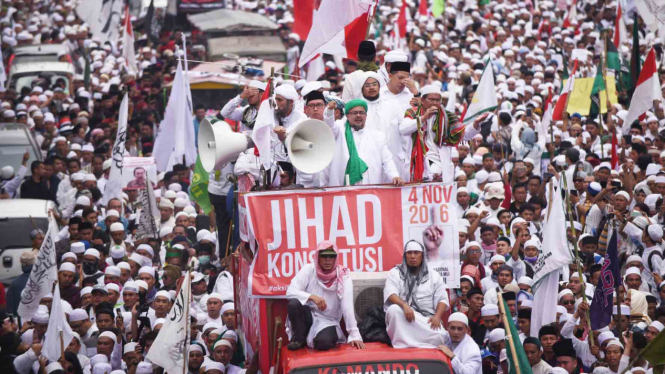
x=411, y=282
x=355, y=167
x=333, y=279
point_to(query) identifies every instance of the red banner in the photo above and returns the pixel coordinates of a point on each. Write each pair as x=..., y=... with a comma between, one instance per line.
x=370, y=225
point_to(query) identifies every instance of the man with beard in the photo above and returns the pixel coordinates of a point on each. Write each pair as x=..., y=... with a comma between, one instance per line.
x=287, y=116
x=196, y=358
x=415, y=300
x=361, y=154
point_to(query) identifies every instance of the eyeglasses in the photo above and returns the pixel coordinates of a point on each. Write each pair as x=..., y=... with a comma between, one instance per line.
x=578, y=180
x=368, y=85
x=433, y=100
x=316, y=106
x=568, y=302
x=328, y=257
x=357, y=113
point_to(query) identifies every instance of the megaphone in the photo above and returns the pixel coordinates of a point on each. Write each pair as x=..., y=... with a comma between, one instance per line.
x=311, y=146
x=219, y=145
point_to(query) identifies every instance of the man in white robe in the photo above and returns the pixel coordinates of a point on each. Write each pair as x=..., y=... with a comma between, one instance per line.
x=397, y=93
x=319, y=296
x=415, y=299
x=371, y=160
x=460, y=348
x=245, y=114
x=388, y=59
x=353, y=82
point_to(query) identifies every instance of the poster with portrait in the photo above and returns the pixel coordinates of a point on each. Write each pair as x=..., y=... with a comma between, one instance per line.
x=137, y=170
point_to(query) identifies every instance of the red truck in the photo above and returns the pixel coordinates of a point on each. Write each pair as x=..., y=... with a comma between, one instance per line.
x=260, y=323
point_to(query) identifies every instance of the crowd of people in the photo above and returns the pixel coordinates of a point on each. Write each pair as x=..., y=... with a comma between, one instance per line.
x=397, y=116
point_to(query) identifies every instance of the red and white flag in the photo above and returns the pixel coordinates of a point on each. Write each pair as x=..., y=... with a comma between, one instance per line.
x=128, y=45
x=646, y=91
x=340, y=27
x=303, y=14
x=422, y=8
x=620, y=32
x=570, y=16
x=557, y=114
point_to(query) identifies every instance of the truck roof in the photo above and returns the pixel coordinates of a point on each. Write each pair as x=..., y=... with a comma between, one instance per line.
x=345, y=355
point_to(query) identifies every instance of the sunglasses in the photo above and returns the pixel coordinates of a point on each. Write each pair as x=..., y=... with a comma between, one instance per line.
x=569, y=302
x=328, y=257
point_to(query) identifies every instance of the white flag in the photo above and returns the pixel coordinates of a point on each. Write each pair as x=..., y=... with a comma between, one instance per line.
x=103, y=17
x=42, y=276
x=261, y=136
x=113, y=187
x=3, y=73
x=57, y=323
x=128, y=46
x=484, y=99
x=555, y=252
x=174, y=139
x=169, y=350
x=149, y=213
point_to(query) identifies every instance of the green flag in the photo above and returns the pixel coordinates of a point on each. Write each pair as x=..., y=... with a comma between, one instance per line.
x=513, y=334
x=612, y=57
x=596, y=89
x=438, y=7
x=198, y=191
x=635, y=66
x=653, y=352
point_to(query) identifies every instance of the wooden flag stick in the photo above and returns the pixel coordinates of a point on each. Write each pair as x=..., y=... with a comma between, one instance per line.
x=62, y=347
x=511, y=343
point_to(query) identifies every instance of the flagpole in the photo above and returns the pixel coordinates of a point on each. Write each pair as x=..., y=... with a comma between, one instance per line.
x=62, y=347
x=185, y=357
x=618, y=302
x=577, y=258
x=504, y=317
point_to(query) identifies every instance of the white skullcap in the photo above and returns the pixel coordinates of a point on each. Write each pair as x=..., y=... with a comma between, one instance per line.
x=53, y=366
x=140, y=260
x=129, y=347
x=141, y=284
x=175, y=187
x=7, y=172
x=212, y=365
x=216, y=295
x=489, y=310
x=616, y=342
x=164, y=294
x=257, y=84
x=632, y=270
x=112, y=270
x=624, y=194
x=634, y=258
x=110, y=335
x=413, y=246
x=91, y=252
x=467, y=278
x=201, y=234
x=228, y=306
x=181, y=203
x=430, y=89
x=228, y=343
x=497, y=335
x=459, y=317
x=82, y=200
x=526, y=303
x=165, y=231
x=117, y=226
x=68, y=255
x=130, y=286
x=146, y=247
x=170, y=194
x=68, y=266
x=605, y=336
x=497, y=258
x=655, y=232
x=118, y=252
x=77, y=177
x=166, y=203
x=112, y=287
x=124, y=265
x=472, y=244
x=288, y=92
x=147, y=270
x=564, y=293
x=86, y=291
x=657, y=325
x=525, y=280
x=112, y=213
x=78, y=315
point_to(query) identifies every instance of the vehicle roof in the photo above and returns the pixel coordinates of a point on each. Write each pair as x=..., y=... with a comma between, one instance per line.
x=345, y=353
x=13, y=134
x=38, y=67
x=39, y=49
x=21, y=208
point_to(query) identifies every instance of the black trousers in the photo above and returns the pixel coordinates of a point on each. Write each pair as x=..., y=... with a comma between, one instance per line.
x=301, y=320
x=222, y=220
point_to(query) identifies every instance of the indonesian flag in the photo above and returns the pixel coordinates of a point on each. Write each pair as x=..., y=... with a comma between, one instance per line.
x=401, y=21
x=422, y=8
x=340, y=27
x=620, y=32
x=571, y=16
x=303, y=14
x=647, y=90
x=128, y=45
x=547, y=116
x=560, y=107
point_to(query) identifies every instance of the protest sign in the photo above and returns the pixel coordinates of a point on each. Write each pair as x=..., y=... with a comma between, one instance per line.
x=370, y=225
x=136, y=171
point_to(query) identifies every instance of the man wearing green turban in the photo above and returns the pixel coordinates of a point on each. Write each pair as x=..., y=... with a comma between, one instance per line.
x=361, y=155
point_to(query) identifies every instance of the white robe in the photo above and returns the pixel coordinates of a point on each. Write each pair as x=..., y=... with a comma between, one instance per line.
x=418, y=333
x=372, y=148
x=305, y=284
x=394, y=107
x=467, y=358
